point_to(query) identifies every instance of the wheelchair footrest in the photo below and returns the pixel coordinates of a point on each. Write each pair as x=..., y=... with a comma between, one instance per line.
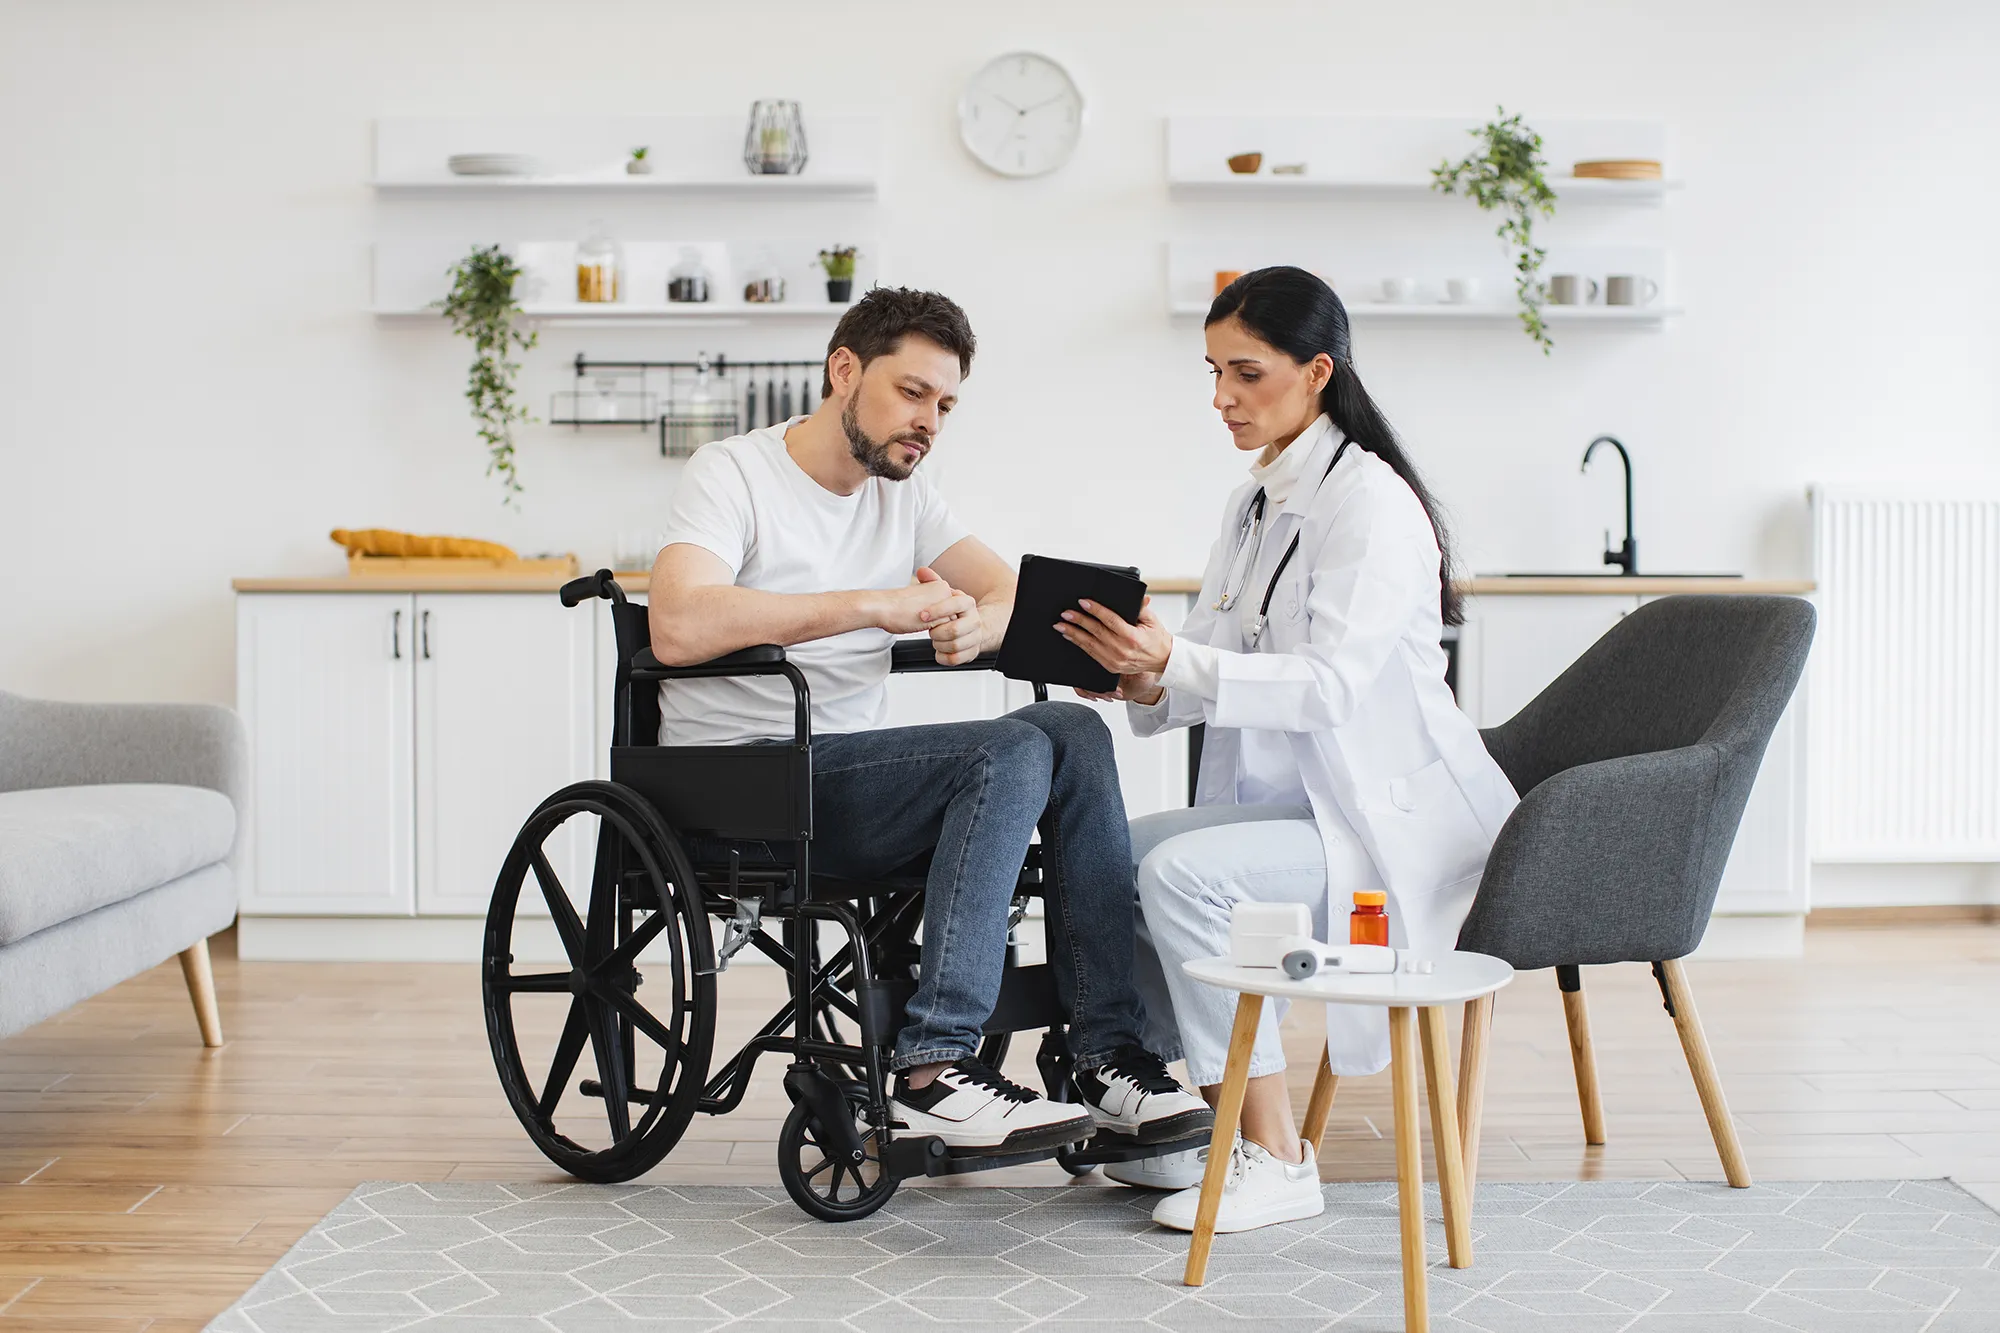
x=1108, y=1145
x=928, y=1156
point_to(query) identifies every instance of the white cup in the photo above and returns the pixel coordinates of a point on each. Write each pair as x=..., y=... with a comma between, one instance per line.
x=1570, y=289
x=1630, y=289
x=1461, y=291
x=1399, y=291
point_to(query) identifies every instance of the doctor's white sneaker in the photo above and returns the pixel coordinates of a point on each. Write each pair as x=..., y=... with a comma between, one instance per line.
x=974, y=1110
x=1169, y=1171
x=1133, y=1094
x=1259, y=1191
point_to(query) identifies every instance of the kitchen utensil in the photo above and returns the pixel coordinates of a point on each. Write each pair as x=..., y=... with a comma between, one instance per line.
x=785, y=400
x=1571, y=289
x=1618, y=169
x=749, y=402
x=491, y=164
x=1225, y=276
x=1462, y=291
x=1246, y=164
x=771, y=416
x=1399, y=290
x=1630, y=289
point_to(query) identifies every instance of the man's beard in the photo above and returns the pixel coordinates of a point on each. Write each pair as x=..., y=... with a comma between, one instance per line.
x=873, y=455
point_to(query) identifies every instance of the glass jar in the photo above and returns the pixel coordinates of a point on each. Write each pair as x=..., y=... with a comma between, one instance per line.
x=598, y=261
x=688, y=279
x=762, y=284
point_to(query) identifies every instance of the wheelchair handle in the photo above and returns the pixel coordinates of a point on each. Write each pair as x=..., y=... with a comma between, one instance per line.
x=600, y=584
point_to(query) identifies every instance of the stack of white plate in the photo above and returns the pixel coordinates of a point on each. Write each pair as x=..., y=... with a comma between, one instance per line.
x=491, y=164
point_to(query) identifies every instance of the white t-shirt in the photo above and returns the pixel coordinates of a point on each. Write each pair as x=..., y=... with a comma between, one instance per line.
x=778, y=530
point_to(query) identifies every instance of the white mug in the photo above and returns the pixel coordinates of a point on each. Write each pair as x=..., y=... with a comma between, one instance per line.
x=1461, y=291
x=1399, y=290
x=1630, y=289
x=1570, y=289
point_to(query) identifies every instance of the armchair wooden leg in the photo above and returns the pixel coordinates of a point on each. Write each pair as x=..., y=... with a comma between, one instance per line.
x=1680, y=1003
x=1582, y=1055
x=201, y=989
x=1325, y=1082
x=1472, y=1084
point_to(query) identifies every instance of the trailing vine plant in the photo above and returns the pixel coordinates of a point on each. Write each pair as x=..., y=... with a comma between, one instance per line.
x=1506, y=175
x=482, y=307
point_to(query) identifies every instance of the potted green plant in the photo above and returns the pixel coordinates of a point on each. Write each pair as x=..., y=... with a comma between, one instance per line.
x=839, y=265
x=482, y=307
x=1505, y=175
x=639, y=164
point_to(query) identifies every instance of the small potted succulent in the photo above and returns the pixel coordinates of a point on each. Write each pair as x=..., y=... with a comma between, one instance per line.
x=839, y=265
x=639, y=164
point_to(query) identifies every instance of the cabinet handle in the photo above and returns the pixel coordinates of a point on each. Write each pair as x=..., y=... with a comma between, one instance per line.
x=424, y=633
x=396, y=635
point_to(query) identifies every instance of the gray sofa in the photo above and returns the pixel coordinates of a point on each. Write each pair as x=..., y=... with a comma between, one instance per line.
x=118, y=824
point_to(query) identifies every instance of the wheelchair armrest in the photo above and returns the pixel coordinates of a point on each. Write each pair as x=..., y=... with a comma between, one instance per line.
x=763, y=659
x=918, y=655
x=761, y=654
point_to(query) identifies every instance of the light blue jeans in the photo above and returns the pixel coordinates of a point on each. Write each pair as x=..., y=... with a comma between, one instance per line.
x=1193, y=867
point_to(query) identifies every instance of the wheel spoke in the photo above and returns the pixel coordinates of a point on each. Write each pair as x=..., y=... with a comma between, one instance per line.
x=610, y=1067
x=625, y=954
x=515, y=983
x=636, y=1014
x=824, y=1163
x=560, y=908
x=568, y=1048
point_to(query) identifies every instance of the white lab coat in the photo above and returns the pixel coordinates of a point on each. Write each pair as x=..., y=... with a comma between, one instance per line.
x=1350, y=667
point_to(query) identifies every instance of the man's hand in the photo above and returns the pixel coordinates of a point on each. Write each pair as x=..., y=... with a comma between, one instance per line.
x=956, y=632
x=919, y=606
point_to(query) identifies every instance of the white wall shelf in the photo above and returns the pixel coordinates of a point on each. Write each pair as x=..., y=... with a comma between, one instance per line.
x=1646, y=316
x=743, y=186
x=1264, y=185
x=635, y=313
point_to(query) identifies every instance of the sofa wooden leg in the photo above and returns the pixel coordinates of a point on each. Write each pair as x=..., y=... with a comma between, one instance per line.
x=1581, y=1053
x=1680, y=1003
x=201, y=989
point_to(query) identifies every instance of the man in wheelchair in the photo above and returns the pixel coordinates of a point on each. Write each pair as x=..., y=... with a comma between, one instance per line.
x=818, y=535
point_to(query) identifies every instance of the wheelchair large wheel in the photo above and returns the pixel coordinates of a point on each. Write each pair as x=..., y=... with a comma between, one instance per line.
x=826, y=1188
x=642, y=921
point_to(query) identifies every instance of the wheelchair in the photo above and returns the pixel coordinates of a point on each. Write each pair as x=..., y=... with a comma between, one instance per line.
x=687, y=835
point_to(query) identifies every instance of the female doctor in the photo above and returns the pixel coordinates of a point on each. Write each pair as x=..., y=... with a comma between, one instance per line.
x=1335, y=758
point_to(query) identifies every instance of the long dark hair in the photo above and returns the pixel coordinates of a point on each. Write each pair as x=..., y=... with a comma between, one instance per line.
x=1299, y=315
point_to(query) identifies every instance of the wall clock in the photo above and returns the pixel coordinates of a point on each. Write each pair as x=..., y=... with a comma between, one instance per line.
x=1021, y=115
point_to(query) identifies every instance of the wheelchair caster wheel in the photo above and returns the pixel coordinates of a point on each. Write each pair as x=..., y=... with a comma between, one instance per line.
x=829, y=1189
x=1066, y=1159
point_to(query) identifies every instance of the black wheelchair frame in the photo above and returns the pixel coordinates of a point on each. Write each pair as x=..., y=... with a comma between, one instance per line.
x=838, y=1156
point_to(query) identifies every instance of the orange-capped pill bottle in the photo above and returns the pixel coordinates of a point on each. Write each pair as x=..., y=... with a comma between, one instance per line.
x=1369, y=923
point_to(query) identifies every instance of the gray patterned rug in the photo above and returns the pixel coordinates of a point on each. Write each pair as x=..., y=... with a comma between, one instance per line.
x=1867, y=1256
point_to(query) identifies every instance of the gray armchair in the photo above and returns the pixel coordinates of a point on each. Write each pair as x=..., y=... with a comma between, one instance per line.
x=1633, y=767
x=118, y=826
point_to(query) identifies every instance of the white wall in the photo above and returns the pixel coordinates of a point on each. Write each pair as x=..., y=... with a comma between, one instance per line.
x=190, y=388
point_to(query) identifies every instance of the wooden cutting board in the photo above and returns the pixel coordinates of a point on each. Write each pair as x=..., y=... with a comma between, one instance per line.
x=363, y=566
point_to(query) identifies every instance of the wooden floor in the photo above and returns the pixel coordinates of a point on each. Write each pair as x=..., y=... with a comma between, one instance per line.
x=148, y=1182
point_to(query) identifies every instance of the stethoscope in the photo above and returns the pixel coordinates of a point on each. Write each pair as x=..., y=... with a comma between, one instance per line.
x=1250, y=545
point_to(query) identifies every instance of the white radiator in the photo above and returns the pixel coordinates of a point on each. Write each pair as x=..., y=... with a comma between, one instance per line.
x=1906, y=695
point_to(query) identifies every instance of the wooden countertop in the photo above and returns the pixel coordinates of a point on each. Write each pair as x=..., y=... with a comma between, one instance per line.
x=635, y=581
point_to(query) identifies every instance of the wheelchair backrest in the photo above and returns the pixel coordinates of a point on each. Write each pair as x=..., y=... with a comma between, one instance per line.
x=635, y=718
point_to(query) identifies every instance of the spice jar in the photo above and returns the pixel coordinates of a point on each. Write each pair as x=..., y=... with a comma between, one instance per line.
x=598, y=260
x=1369, y=923
x=688, y=279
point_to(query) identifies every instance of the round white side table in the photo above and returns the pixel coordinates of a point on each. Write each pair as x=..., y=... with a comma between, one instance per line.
x=1458, y=977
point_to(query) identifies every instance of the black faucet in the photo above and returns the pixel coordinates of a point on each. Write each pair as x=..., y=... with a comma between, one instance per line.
x=1625, y=557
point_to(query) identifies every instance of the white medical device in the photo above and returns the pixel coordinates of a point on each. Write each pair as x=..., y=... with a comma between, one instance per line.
x=1279, y=935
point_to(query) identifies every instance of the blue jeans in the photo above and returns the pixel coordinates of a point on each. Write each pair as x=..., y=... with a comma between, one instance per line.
x=974, y=791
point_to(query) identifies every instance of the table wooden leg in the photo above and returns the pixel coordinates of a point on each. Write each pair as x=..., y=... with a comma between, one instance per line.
x=1472, y=1085
x=1321, y=1104
x=1409, y=1171
x=1444, y=1136
x=1235, y=1078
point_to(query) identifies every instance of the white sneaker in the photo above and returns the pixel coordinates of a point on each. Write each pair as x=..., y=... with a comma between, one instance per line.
x=1168, y=1171
x=974, y=1110
x=1133, y=1094
x=1259, y=1191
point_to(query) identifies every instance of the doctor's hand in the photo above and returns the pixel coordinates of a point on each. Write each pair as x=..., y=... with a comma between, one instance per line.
x=1137, y=653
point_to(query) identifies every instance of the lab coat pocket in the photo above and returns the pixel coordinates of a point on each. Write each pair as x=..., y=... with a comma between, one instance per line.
x=1289, y=605
x=1426, y=832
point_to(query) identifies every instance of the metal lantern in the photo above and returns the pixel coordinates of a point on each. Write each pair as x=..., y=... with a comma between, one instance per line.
x=775, y=144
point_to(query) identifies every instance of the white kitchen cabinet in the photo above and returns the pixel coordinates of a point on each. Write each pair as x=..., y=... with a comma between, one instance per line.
x=399, y=740
x=327, y=686
x=505, y=701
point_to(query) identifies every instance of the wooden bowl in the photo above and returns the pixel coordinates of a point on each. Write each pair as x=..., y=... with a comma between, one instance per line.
x=1246, y=164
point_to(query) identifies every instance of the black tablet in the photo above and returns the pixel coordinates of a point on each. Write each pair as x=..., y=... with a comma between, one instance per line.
x=1048, y=587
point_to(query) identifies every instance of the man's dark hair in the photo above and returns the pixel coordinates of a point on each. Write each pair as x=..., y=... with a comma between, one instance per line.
x=876, y=324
